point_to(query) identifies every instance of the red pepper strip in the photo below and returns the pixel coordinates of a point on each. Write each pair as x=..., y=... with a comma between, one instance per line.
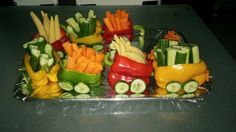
x=57, y=45
x=127, y=70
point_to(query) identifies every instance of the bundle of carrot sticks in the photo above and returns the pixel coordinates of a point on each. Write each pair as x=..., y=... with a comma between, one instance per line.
x=118, y=21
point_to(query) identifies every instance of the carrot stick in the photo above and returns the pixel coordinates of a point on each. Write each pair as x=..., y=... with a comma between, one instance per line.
x=108, y=14
x=122, y=13
x=70, y=63
x=113, y=22
x=118, y=23
x=108, y=24
x=124, y=23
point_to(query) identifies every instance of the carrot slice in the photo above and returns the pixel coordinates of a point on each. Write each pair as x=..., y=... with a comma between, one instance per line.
x=81, y=66
x=82, y=59
x=97, y=69
x=79, y=51
x=70, y=63
x=90, y=67
x=74, y=46
x=74, y=55
x=90, y=52
x=84, y=50
x=99, y=57
x=108, y=24
x=68, y=48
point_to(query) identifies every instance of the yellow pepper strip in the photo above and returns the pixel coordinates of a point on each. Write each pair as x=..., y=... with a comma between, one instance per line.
x=41, y=82
x=91, y=39
x=181, y=73
x=52, y=75
x=33, y=75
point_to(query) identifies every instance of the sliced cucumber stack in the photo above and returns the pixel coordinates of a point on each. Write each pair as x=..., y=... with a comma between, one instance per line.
x=137, y=86
x=121, y=87
x=81, y=88
x=190, y=86
x=173, y=86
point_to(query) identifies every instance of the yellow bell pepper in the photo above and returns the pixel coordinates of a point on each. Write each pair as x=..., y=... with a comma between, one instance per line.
x=181, y=73
x=33, y=75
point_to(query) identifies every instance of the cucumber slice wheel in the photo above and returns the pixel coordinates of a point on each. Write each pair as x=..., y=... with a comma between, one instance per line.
x=190, y=86
x=81, y=88
x=121, y=87
x=66, y=86
x=137, y=86
x=173, y=86
x=190, y=95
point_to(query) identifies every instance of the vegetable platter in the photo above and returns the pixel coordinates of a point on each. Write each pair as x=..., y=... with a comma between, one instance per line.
x=82, y=58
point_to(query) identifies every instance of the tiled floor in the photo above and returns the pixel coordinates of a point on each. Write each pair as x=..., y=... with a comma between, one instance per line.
x=224, y=27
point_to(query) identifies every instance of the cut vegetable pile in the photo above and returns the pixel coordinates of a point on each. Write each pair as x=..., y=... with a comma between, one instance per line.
x=179, y=71
x=68, y=61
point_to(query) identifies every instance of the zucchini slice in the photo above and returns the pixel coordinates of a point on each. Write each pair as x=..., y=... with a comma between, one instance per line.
x=121, y=87
x=81, y=88
x=137, y=86
x=66, y=86
x=190, y=86
x=173, y=86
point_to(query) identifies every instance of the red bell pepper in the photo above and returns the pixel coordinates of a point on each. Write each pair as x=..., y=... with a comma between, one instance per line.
x=127, y=70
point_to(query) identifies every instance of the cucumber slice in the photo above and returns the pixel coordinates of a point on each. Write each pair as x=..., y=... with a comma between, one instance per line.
x=180, y=57
x=78, y=15
x=60, y=54
x=170, y=56
x=81, y=88
x=98, y=47
x=160, y=57
x=71, y=21
x=137, y=95
x=171, y=95
x=137, y=86
x=173, y=43
x=121, y=87
x=121, y=96
x=67, y=95
x=34, y=59
x=50, y=62
x=24, y=89
x=66, y=86
x=48, y=49
x=82, y=96
x=91, y=26
x=187, y=50
x=195, y=53
x=188, y=95
x=173, y=86
x=190, y=86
